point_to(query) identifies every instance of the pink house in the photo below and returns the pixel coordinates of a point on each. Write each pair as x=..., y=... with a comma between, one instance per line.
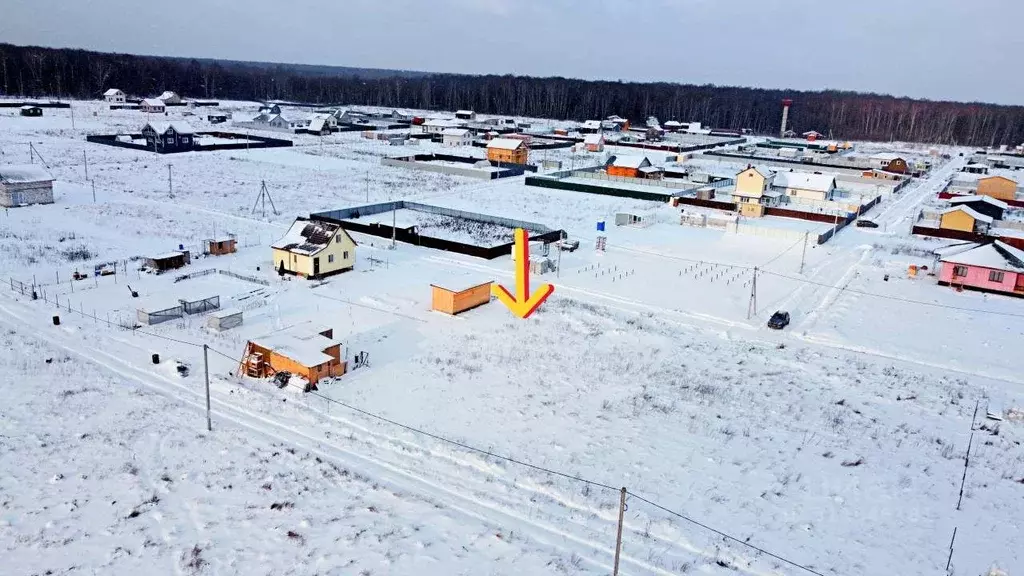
x=996, y=267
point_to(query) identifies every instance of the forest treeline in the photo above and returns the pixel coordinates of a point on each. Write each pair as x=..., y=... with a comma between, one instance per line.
x=37, y=72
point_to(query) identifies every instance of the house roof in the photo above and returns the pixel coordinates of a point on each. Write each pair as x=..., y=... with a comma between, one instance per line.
x=672, y=123
x=112, y=92
x=459, y=132
x=167, y=256
x=805, y=181
x=317, y=123
x=997, y=255
x=986, y=199
x=596, y=124
x=765, y=173
x=302, y=344
x=167, y=95
x=650, y=169
x=812, y=133
x=887, y=156
x=977, y=165
x=593, y=139
x=30, y=107
x=163, y=127
x=23, y=174
x=970, y=212
x=153, y=102
x=506, y=144
x=308, y=237
x=464, y=112
x=631, y=161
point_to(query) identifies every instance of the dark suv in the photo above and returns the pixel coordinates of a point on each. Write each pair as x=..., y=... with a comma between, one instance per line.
x=779, y=320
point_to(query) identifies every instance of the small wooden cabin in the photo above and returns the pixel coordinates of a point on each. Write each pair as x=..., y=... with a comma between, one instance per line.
x=508, y=151
x=457, y=301
x=220, y=246
x=998, y=187
x=309, y=352
x=169, y=261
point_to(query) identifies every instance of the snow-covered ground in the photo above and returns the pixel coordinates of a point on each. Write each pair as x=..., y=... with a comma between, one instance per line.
x=838, y=443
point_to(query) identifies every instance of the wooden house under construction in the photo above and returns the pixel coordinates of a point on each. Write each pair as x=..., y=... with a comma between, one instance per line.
x=307, y=351
x=457, y=301
x=220, y=246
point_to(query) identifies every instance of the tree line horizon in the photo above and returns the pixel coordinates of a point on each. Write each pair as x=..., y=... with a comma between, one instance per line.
x=33, y=71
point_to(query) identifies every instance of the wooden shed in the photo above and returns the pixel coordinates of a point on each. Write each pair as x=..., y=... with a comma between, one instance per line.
x=997, y=187
x=226, y=319
x=309, y=352
x=169, y=261
x=457, y=301
x=220, y=246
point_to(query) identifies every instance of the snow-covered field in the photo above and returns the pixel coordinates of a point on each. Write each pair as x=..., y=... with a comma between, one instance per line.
x=838, y=444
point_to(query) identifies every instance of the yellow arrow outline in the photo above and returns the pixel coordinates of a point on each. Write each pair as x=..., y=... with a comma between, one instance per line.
x=523, y=304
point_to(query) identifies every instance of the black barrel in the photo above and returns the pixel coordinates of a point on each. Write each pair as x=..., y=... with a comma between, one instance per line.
x=156, y=358
x=56, y=320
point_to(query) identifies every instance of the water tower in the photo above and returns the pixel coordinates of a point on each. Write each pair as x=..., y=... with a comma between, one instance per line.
x=785, y=116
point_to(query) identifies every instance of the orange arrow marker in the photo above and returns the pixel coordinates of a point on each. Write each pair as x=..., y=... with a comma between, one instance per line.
x=523, y=303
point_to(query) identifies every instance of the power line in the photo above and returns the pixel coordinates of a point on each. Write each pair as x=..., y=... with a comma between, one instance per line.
x=724, y=535
x=896, y=298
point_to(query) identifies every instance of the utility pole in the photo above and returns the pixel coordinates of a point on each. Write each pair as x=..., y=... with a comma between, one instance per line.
x=93, y=191
x=86, y=158
x=206, y=368
x=803, y=254
x=618, y=537
x=752, y=308
x=558, y=269
x=31, y=156
x=394, y=219
x=72, y=108
x=170, y=183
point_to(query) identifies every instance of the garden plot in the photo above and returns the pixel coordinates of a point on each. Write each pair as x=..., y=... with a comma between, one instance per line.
x=445, y=227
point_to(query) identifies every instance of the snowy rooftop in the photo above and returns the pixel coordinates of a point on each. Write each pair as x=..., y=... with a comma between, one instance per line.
x=630, y=161
x=997, y=255
x=112, y=92
x=970, y=212
x=304, y=345
x=24, y=173
x=887, y=156
x=460, y=132
x=986, y=199
x=307, y=237
x=506, y=143
x=593, y=139
x=805, y=181
x=153, y=102
x=167, y=95
x=164, y=127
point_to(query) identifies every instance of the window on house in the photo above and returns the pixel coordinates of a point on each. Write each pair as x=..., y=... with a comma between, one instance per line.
x=960, y=271
x=344, y=255
x=995, y=276
x=295, y=258
x=330, y=257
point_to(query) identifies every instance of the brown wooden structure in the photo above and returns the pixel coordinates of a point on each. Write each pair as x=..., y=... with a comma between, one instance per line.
x=458, y=301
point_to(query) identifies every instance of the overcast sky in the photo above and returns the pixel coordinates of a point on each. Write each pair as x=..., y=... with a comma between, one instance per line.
x=938, y=49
